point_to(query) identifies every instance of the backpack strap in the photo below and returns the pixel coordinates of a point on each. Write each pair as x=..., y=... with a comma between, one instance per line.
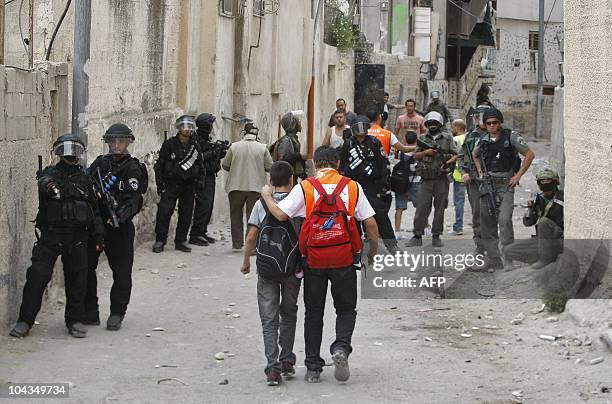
x=330, y=199
x=263, y=204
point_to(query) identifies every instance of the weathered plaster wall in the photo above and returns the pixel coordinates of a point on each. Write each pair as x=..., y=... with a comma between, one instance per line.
x=29, y=105
x=514, y=90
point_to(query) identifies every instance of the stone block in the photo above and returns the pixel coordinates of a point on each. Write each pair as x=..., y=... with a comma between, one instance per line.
x=11, y=80
x=62, y=69
x=2, y=79
x=28, y=83
x=11, y=128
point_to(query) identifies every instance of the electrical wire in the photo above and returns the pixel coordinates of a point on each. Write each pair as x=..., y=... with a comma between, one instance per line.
x=549, y=14
x=57, y=27
x=21, y=34
x=8, y=2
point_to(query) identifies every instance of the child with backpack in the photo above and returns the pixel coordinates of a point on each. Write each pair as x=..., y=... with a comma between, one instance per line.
x=278, y=280
x=330, y=245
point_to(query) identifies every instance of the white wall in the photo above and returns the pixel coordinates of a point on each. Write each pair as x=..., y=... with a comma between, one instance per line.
x=529, y=10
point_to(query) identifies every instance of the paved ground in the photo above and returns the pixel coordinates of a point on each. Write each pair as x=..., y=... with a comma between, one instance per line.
x=404, y=350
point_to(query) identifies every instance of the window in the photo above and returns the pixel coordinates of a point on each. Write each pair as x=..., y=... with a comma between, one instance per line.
x=258, y=8
x=226, y=7
x=534, y=37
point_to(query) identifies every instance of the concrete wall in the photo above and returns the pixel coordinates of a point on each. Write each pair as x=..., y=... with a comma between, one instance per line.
x=29, y=105
x=515, y=87
x=588, y=134
x=528, y=10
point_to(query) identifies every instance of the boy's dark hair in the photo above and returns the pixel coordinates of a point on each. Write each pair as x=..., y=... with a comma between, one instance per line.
x=325, y=156
x=373, y=115
x=386, y=93
x=339, y=111
x=280, y=173
x=341, y=99
x=410, y=100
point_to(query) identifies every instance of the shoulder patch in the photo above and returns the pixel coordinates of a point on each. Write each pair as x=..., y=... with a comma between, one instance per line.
x=133, y=183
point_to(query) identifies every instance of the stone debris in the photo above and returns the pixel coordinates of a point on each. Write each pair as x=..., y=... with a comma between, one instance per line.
x=181, y=265
x=159, y=329
x=36, y=323
x=579, y=361
x=148, y=335
x=606, y=338
x=519, y=339
x=475, y=328
x=587, y=341
x=552, y=319
x=548, y=337
x=166, y=366
x=490, y=327
x=219, y=356
x=229, y=327
x=466, y=335
x=235, y=315
x=232, y=304
x=428, y=339
x=207, y=254
x=154, y=271
x=231, y=355
x=168, y=379
x=596, y=361
x=224, y=382
x=518, y=319
x=538, y=310
x=228, y=311
x=518, y=393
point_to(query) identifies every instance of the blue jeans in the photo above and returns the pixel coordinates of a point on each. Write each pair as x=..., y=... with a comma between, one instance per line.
x=459, y=202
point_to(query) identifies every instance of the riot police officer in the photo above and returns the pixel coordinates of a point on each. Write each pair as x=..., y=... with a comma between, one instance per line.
x=212, y=153
x=435, y=152
x=178, y=169
x=495, y=157
x=546, y=213
x=67, y=215
x=469, y=174
x=362, y=159
x=121, y=180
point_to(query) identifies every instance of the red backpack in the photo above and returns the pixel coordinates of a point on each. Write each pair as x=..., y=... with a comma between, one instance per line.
x=329, y=237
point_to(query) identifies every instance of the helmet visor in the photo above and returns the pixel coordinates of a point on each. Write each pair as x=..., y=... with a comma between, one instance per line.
x=69, y=148
x=360, y=128
x=185, y=124
x=118, y=145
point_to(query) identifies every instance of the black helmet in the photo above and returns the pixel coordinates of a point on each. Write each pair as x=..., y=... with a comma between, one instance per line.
x=69, y=145
x=118, y=130
x=205, y=119
x=361, y=125
x=185, y=122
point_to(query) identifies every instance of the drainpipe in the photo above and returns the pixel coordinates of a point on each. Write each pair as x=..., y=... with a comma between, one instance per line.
x=80, y=74
x=311, y=91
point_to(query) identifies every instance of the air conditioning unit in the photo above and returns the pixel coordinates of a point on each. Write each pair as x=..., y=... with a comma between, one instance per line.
x=422, y=33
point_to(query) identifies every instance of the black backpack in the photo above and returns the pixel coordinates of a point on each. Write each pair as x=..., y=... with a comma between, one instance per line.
x=401, y=177
x=277, y=249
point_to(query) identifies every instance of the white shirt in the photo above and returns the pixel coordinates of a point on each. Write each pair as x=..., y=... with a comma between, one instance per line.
x=294, y=204
x=336, y=141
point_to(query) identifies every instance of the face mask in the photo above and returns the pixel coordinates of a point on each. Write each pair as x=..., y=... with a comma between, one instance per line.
x=433, y=128
x=547, y=187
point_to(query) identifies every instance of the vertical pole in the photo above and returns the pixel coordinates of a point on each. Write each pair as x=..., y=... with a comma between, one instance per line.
x=80, y=77
x=31, y=33
x=540, y=97
x=459, y=44
x=1, y=32
x=311, y=89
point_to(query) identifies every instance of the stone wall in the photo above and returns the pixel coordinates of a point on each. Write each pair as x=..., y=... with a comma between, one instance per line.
x=30, y=102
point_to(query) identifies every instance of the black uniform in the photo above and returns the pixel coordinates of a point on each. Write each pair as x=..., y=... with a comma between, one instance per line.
x=131, y=182
x=65, y=224
x=374, y=177
x=177, y=172
x=205, y=193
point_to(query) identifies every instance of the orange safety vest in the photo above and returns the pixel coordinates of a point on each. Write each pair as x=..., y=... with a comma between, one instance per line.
x=329, y=176
x=383, y=135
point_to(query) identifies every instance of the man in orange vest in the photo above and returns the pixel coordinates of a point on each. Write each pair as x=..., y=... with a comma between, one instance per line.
x=299, y=203
x=386, y=137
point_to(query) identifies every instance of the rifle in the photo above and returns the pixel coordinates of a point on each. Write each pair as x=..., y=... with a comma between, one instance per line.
x=488, y=186
x=426, y=146
x=111, y=202
x=39, y=166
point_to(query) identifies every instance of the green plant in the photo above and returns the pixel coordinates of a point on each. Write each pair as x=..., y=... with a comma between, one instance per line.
x=555, y=303
x=342, y=33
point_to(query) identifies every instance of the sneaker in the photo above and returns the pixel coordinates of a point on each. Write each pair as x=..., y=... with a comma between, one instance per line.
x=287, y=369
x=274, y=378
x=114, y=322
x=399, y=235
x=182, y=246
x=77, y=330
x=313, y=376
x=428, y=230
x=211, y=240
x=436, y=242
x=158, y=246
x=415, y=241
x=455, y=232
x=200, y=240
x=341, y=372
x=20, y=330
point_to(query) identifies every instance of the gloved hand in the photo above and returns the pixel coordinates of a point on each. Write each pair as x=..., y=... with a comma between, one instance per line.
x=53, y=190
x=161, y=188
x=99, y=240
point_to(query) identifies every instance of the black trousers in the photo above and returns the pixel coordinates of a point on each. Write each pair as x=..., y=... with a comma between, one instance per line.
x=119, y=249
x=344, y=293
x=73, y=249
x=184, y=192
x=381, y=206
x=205, y=198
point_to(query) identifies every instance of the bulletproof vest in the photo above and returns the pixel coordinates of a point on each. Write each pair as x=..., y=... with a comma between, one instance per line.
x=184, y=160
x=74, y=207
x=500, y=156
x=363, y=164
x=429, y=167
x=555, y=211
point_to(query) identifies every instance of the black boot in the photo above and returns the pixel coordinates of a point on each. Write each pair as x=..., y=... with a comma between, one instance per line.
x=415, y=241
x=182, y=246
x=77, y=330
x=20, y=330
x=199, y=240
x=210, y=239
x=158, y=246
x=436, y=242
x=114, y=322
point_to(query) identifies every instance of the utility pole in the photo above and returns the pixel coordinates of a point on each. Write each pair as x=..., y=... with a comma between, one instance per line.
x=80, y=78
x=1, y=32
x=540, y=98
